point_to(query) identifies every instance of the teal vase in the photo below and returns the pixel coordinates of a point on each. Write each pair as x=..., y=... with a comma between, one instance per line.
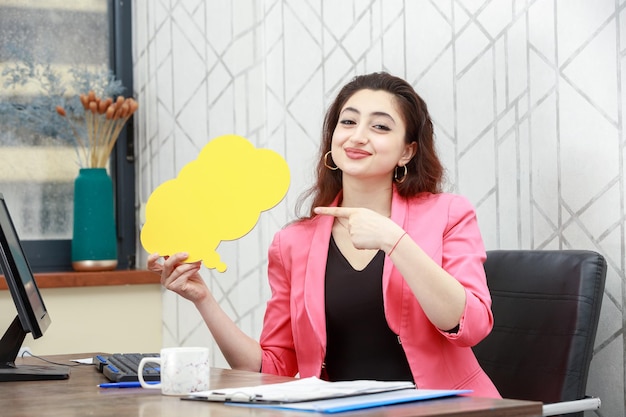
x=94, y=241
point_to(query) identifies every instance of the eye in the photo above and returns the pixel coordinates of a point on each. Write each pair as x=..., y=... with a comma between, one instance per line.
x=347, y=122
x=381, y=127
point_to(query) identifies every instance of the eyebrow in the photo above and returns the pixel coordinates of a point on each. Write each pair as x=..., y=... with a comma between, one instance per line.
x=376, y=113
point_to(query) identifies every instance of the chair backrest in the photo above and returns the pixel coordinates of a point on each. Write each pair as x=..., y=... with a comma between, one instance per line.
x=546, y=306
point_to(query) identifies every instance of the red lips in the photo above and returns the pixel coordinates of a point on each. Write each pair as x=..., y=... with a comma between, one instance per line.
x=355, y=153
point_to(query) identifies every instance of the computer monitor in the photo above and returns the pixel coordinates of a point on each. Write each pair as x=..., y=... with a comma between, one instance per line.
x=32, y=316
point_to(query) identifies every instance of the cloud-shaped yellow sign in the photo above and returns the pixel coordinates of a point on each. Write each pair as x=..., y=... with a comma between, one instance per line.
x=219, y=196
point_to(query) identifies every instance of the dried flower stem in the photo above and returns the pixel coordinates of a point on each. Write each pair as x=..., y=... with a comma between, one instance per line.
x=104, y=120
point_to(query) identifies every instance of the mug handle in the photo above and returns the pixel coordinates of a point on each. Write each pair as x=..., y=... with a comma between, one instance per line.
x=144, y=384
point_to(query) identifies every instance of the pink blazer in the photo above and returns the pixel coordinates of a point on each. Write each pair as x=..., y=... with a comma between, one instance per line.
x=444, y=225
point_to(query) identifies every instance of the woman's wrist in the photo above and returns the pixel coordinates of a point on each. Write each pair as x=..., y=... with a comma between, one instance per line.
x=396, y=243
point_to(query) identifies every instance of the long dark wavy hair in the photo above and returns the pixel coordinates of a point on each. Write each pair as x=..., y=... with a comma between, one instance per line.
x=424, y=170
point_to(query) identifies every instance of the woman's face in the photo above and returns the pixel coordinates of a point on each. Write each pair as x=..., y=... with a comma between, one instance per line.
x=368, y=141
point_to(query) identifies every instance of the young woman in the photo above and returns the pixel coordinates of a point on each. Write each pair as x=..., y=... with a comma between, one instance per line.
x=383, y=279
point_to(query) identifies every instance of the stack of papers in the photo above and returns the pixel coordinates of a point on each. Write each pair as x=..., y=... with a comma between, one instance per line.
x=314, y=394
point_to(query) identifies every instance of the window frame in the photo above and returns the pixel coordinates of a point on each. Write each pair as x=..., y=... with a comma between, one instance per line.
x=54, y=255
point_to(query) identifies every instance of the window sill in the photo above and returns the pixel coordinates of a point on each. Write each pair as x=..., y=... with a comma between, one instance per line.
x=92, y=279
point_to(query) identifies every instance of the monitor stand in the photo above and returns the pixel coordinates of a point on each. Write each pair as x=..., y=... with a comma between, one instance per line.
x=33, y=372
x=9, y=348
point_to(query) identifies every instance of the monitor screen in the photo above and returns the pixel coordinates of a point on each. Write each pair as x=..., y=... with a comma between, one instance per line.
x=32, y=315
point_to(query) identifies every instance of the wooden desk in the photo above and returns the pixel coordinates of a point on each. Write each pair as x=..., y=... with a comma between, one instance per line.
x=79, y=396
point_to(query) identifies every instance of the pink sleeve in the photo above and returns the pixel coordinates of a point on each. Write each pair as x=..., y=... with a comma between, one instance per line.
x=276, y=338
x=463, y=258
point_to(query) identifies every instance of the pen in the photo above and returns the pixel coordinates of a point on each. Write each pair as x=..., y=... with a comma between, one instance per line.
x=130, y=384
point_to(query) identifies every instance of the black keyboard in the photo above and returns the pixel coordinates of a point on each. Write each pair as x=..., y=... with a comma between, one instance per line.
x=122, y=367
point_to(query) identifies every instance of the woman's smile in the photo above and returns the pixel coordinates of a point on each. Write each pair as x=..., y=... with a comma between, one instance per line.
x=356, y=153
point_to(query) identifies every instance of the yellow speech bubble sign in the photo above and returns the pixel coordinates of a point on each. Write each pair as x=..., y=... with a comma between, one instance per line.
x=219, y=196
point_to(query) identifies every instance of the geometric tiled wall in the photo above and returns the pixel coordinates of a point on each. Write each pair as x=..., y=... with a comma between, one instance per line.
x=528, y=100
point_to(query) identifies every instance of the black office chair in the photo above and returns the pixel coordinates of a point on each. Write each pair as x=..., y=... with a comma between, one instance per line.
x=546, y=306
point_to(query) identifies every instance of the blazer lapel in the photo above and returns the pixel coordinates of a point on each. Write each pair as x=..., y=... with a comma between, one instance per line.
x=314, y=282
x=392, y=288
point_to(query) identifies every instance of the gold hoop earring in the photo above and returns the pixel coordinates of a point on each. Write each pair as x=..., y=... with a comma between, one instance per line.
x=403, y=177
x=326, y=162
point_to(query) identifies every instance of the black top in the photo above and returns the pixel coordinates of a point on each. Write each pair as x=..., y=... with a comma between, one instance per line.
x=360, y=344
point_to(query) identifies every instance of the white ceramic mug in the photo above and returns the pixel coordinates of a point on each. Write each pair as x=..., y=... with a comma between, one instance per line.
x=183, y=370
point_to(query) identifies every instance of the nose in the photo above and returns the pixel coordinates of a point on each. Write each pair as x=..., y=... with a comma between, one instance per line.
x=359, y=135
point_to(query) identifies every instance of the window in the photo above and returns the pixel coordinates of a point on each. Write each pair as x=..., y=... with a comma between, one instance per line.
x=37, y=171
